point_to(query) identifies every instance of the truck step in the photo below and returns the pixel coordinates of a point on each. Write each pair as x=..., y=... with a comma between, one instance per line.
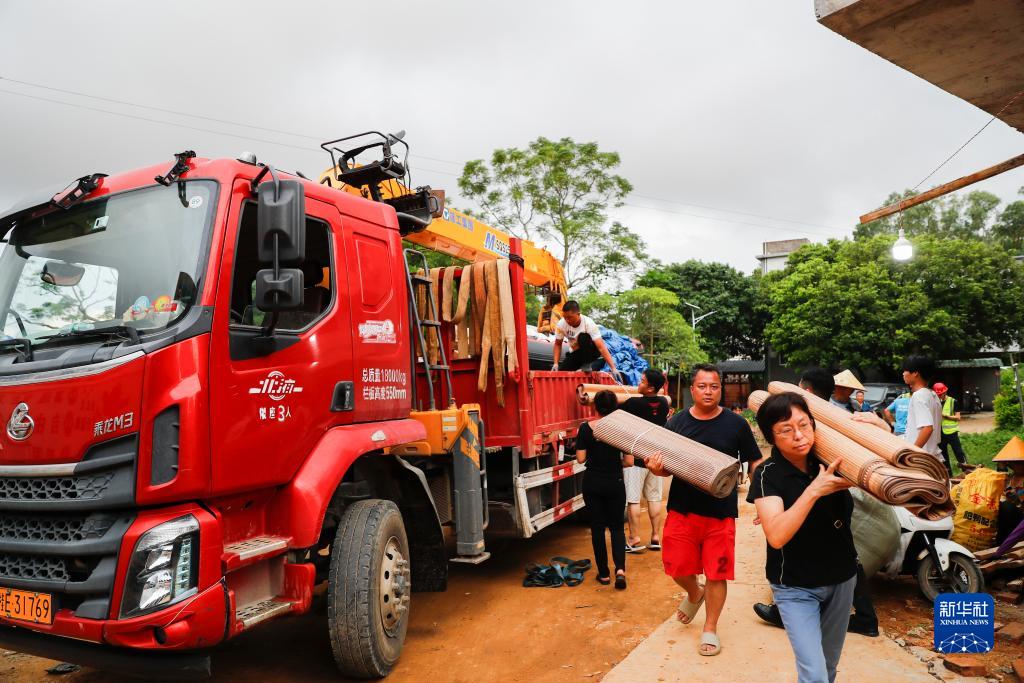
x=258, y=612
x=421, y=279
x=471, y=559
x=430, y=323
x=250, y=550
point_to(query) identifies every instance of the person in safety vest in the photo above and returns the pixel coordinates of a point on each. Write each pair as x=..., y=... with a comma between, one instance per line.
x=950, y=427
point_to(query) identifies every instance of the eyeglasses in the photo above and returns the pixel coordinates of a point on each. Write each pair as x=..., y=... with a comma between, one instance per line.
x=803, y=426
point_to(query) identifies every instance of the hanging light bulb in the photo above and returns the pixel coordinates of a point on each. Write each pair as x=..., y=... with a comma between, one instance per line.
x=902, y=250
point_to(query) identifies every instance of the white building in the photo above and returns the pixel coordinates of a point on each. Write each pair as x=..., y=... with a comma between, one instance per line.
x=775, y=254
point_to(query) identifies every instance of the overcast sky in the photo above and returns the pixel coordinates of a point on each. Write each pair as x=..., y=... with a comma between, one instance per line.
x=737, y=122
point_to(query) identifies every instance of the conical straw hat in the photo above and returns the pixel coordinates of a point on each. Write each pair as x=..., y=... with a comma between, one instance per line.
x=847, y=379
x=1013, y=451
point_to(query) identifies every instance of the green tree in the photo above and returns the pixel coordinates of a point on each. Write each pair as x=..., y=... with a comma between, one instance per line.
x=736, y=328
x=847, y=303
x=1009, y=227
x=559, y=193
x=649, y=314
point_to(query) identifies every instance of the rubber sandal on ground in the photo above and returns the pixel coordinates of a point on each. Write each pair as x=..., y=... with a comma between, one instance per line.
x=708, y=638
x=689, y=609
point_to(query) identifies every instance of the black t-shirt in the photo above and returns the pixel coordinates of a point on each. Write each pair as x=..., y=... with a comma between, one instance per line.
x=728, y=433
x=821, y=553
x=604, y=462
x=651, y=408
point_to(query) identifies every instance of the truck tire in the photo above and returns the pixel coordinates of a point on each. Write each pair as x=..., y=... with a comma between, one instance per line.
x=368, y=589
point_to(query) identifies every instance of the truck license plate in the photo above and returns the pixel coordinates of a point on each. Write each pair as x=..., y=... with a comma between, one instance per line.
x=26, y=606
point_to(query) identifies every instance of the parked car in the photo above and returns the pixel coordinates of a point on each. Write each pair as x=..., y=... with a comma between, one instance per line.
x=881, y=394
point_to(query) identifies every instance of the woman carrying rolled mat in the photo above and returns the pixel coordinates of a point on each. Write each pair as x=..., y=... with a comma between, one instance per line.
x=805, y=511
x=604, y=492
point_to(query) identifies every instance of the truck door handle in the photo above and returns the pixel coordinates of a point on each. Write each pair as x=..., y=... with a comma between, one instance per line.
x=344, y=397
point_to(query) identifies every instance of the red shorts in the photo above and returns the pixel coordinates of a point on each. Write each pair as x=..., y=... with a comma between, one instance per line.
x=694, y=544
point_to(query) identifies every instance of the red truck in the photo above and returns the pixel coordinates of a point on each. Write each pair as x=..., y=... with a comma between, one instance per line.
x=214, y=404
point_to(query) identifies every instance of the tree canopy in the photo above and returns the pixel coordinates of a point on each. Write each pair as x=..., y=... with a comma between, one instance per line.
x=736, y=327
x=651, y=315
x=558, y=193
x=847, y=303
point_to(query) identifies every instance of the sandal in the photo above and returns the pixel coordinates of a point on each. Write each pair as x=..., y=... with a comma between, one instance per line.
x=635, y=548
x=604, y=580
x=688, y=609
x=620, y=582
x=655, y=544
x=708, y=638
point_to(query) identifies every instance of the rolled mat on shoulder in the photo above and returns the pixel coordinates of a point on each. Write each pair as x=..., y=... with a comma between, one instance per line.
x=585, y=393
x=694, y=463
x=886, y=445
x=914, y=490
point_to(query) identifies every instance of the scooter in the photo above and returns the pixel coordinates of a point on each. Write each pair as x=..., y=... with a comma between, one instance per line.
x=925, y=551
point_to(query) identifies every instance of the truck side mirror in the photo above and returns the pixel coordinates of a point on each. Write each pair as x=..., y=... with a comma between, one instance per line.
x=281, y=293
x=282, y=219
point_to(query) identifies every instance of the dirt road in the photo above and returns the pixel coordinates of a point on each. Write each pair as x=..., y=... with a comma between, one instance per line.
x=485, y=625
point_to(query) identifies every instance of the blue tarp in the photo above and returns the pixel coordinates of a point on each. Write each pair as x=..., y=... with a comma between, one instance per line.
x=628, y=361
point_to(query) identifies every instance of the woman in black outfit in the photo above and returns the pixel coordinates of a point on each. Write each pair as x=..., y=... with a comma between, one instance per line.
x=604, y=492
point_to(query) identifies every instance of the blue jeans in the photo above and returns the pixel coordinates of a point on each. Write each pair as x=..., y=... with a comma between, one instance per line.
x=816, y=621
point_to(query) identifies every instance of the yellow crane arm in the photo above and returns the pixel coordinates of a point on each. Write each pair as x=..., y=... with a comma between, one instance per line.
x=467, y=238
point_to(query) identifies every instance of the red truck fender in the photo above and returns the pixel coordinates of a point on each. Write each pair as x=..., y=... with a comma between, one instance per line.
x=303, y=502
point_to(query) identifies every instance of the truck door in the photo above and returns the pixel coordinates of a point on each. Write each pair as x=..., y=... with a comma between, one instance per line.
x=270, y=405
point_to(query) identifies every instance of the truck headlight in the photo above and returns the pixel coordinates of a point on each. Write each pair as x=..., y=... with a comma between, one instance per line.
x=163, y=568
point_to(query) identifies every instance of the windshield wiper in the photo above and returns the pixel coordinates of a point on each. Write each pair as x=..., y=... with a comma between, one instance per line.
x=22, y=345
x=130, y=332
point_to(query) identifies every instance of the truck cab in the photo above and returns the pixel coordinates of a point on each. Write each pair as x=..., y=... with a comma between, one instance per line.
x=209, y=389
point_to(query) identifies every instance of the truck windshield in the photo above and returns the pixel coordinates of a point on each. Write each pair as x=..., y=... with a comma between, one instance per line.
x=130, y=259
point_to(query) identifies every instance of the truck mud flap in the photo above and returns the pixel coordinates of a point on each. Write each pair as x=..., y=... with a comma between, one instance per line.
x=537, y=512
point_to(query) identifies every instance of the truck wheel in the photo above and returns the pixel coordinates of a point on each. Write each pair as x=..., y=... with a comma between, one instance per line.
x=368, y=589
x=967, y=577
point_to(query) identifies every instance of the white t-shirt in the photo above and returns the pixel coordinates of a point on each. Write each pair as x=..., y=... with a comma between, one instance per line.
x=564, y=331
x=925, y=410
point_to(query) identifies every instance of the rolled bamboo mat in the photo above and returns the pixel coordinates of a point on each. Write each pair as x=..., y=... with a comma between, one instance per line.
x=585, y=393
x=914, y=490
x=890, y=447
x=697, y=464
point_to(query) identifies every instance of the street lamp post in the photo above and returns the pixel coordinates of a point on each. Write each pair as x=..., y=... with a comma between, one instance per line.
x=694, y=318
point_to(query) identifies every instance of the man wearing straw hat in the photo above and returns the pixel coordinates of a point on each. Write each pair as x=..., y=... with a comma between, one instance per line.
x=846, y=384
x=700, y=532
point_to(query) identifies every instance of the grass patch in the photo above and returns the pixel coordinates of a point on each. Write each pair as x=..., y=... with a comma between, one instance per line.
x=981, y=448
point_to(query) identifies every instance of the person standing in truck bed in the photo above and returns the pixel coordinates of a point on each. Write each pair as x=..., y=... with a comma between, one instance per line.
x=587, y=350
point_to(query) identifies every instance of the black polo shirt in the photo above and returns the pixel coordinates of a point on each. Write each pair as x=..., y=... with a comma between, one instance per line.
x=651, y=408
x=727, y=433
x=821, y=553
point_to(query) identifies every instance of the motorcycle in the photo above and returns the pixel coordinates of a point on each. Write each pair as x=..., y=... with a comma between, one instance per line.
x=939, y=564
x=972, y=402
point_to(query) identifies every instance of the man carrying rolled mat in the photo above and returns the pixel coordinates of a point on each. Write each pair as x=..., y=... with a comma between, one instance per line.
x=700, y=533
x=863, y=620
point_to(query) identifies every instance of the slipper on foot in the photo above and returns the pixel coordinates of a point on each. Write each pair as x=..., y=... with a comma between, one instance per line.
x=688, y=609
x=708, y=638
x=604, y=580
x=635, y=548
x=655, y=544
x=620, y=582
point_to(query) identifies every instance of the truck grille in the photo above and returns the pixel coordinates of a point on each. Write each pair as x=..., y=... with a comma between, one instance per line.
x=54, y=528
x=61, y=534
x=33, y=568
x=89, y=487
